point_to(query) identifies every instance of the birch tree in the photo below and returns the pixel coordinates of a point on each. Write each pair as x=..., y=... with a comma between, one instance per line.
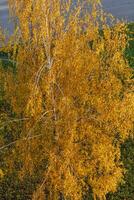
x=73, y=93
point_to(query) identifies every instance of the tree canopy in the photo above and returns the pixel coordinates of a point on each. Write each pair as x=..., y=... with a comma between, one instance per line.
x=69, y=102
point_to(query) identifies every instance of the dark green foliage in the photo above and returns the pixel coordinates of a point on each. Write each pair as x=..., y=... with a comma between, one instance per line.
x=129, y=53
x=6, y=61
x=126, y=191
x=12, y=188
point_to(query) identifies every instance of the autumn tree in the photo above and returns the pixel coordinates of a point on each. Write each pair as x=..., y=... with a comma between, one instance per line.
x=72, y=94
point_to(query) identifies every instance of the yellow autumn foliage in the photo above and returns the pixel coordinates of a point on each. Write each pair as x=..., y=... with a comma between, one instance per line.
x=1, y=173
x=73, y=85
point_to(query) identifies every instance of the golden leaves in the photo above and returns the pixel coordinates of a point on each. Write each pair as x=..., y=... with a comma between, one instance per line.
x=34, y=104
x=1, y=173
x=71, y=82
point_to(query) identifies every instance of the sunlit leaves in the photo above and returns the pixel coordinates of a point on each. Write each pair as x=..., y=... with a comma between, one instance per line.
x=72, y=83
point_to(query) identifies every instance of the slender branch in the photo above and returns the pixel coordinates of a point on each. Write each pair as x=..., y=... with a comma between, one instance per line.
x=11, y=121
x=28, y=137
x=8, y=145
x=25, y=138
x=60, y=89
x=39, y=119
x=45, y=179
x=39, y=72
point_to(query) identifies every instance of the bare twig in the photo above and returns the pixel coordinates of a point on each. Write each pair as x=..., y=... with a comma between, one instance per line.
x=39, y=119
x=11, y=121
x=28, y=137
